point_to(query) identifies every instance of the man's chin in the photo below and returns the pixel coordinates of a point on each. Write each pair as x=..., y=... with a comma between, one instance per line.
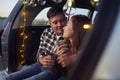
x=59, y=33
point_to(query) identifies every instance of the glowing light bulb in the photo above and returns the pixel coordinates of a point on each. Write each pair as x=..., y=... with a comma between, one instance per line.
x=86, y=26
x=70, y=3
x=22, y=34
x=24, y=13
x=22, y=56
x=95, y=1
x=25, y=2
x=21, y=51
x=23, y=45
x=25, y=37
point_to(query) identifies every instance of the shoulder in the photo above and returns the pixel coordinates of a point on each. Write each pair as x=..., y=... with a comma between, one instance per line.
x=48, y=30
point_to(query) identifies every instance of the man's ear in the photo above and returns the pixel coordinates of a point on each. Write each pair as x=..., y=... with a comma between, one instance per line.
x=49, y=23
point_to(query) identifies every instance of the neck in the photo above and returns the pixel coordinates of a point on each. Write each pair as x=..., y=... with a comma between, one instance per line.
x=59, y=34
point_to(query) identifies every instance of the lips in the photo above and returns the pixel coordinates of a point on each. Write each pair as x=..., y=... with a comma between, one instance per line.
x=59, y=29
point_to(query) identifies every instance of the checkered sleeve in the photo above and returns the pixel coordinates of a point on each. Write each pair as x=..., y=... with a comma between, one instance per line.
x=41, y=43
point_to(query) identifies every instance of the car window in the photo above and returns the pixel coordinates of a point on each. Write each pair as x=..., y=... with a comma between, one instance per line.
x=41, y=19
x=78, y=11
x=75, y=11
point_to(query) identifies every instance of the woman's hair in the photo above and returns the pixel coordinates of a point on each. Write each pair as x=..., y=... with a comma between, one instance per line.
x=53, y=11
x=78, y=22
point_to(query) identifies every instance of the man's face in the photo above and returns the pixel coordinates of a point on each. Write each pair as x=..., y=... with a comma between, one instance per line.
x=57, y=23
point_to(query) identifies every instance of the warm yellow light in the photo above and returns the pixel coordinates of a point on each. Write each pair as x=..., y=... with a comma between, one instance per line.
x=70, y=2
x=86, y=26
x=24, y=13
x=21, y=26
x=21, y=51
x=22, y=34
x=22, y=62
x=23, y=45
x=22, y=56
x=25, y=2
x=95, y=1
x=25, y=37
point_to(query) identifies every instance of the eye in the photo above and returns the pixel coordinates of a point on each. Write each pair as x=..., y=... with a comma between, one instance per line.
x=55, y=22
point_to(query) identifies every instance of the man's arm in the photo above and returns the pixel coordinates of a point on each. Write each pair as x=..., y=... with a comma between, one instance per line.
x=41, y=44
x=46, y=61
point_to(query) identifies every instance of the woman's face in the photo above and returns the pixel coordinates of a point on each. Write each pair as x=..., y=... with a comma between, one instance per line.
x=68, y=30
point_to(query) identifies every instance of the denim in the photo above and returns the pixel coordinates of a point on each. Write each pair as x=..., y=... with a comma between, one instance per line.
x=33, y=72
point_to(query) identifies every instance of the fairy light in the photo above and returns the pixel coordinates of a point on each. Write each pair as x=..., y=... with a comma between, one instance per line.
x=24, y=13
x=24, y=2
x=70, y=2
x=23, y=35
x=94, y=2
x=23, y=45
x=87, y=26
x=21, y=51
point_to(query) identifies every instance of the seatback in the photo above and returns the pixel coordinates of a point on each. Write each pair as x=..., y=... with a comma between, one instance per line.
x=31, y=45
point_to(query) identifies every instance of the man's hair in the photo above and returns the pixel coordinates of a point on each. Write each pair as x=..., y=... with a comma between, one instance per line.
x=53, y=11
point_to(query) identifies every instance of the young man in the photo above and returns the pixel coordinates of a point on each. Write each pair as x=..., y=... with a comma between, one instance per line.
x=48, y=42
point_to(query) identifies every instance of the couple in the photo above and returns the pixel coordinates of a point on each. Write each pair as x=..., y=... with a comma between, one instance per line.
x=73, y=32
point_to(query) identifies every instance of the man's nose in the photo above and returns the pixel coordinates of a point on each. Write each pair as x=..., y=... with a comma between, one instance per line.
x=59, y=24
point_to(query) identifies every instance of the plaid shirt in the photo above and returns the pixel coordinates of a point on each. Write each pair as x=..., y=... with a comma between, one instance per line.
x=48, y=41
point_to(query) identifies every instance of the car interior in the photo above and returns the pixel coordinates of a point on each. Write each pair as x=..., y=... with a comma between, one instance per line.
x=20, y=39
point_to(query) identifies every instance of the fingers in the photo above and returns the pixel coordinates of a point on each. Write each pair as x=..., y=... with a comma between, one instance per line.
x=62, y=50
x=62, y=59
x=47, y=62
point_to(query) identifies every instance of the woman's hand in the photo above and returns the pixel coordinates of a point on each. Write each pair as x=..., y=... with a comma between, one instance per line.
x=66, y=59
x=47, y=61
x=63, y=49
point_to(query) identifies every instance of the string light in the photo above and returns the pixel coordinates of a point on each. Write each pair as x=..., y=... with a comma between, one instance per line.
x=23, y=36
x=24, y=2
x=70, y=2
x=94, y=2
x=87, y=26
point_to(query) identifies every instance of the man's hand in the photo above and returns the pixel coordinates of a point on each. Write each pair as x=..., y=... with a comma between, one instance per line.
x=47, y=61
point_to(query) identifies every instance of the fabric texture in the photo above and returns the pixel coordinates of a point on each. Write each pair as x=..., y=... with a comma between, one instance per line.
x=48, y=41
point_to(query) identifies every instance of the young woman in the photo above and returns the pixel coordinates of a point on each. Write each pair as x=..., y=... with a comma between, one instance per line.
x=74, y=32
